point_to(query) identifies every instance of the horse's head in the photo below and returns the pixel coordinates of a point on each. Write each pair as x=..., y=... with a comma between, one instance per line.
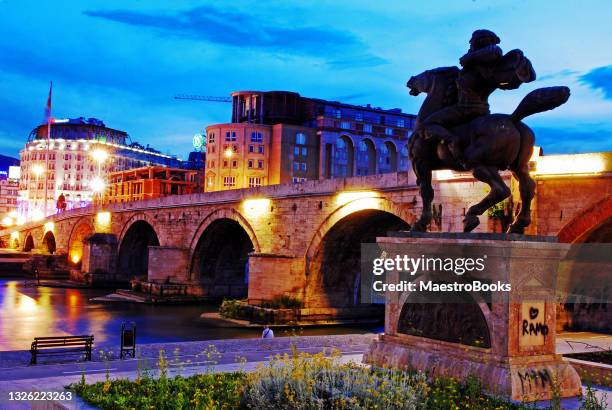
x=420, y=83
x=424, y=82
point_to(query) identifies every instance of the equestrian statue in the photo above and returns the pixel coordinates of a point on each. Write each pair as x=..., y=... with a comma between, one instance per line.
x=455, y=129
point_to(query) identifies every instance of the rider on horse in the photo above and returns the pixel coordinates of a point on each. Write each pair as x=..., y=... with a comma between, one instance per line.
x=484, y=69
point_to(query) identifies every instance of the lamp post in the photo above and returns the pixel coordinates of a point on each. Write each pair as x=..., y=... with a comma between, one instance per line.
x=97, y=184
x=37, y=170
x=228, y=154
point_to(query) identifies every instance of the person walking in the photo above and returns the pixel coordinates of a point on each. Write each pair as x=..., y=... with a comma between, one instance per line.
x=267, y=333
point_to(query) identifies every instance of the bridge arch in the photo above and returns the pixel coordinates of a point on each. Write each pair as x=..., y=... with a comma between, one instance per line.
x=333, y=255
x=219, y=253
x=134, y=249
x=28, y=243
x=49, y=242
x=466, y=320
x=82, y=229
x=372, y=202
x=589, y=223
x=140, y=216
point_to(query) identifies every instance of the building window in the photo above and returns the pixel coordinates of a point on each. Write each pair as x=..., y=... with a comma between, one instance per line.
x=367, y=127
x=230, y=136
x=300, y=138
x=235, y=148
x=260, y=149
x=234, y=164
x=256, y=137
x=251, y=163
x=254, y=182
x=389, y=131
x=304, y=151
x=338, y=114
x=401, y=123
x=297, y=180
x=345, y=125
x=251, y=148
x=229, y=181
x=296, y=151
x=211, y=138
x=211, y=180
x=359, y=117
x=303, y=166
x=260, y=164
x=224, y=163
x=366, y=157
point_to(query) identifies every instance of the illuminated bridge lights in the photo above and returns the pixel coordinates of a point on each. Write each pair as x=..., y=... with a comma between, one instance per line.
x=257, y=207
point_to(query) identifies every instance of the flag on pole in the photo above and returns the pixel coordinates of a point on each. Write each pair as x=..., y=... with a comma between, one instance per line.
x=48, y=118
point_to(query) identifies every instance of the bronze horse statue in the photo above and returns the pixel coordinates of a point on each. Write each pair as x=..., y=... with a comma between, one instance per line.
x=490, y=143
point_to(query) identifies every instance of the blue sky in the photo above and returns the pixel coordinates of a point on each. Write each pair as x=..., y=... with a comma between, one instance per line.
x=122, y=61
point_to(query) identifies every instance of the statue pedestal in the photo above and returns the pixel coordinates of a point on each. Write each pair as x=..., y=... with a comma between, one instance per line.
x=507, y=341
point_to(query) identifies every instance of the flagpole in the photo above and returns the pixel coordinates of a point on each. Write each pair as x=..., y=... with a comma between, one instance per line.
x=47, y=152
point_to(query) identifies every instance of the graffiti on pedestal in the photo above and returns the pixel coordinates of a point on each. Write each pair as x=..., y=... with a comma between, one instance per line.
x=533, y=327
x=534, y=380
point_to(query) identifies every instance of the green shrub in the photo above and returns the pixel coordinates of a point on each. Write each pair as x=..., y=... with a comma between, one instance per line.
x=203, y=391
x=318, y=382
x=283, y=302
x=230, y=308
x=589, y=400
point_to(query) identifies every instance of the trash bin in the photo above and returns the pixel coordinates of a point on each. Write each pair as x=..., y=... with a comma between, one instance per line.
x=128, y=340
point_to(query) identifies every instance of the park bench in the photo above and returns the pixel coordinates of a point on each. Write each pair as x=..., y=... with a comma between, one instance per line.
x=57, y=345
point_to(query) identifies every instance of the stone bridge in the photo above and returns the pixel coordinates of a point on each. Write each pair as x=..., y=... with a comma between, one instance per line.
x=301, y=241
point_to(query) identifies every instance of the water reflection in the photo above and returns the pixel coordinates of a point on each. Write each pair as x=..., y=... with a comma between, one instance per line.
x=28, y=312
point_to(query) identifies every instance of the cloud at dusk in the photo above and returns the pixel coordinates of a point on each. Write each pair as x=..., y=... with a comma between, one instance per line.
x=123, y=62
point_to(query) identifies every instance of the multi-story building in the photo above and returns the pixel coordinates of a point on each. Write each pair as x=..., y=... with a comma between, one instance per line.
x=9, y=192
x=281, y=137
x=149, y=182
x=81, y=154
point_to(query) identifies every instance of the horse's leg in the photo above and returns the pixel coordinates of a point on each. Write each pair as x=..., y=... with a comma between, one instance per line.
x=423, y=173
x=499, y=192
x=527, y=189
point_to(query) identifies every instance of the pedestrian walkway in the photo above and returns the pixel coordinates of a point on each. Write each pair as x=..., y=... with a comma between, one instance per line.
x=188, y=358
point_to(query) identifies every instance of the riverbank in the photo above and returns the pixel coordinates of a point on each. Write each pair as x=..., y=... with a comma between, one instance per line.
x=36, y=311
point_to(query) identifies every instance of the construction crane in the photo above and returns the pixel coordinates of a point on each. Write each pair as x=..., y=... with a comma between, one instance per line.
x=202, y=98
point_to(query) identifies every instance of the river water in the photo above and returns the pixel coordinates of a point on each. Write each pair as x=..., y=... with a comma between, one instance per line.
x=29, y=311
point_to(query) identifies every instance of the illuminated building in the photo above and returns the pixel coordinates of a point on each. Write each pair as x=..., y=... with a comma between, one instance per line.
x=281, y=137
x=149, y=182
x=81, y=154
x=9, y=191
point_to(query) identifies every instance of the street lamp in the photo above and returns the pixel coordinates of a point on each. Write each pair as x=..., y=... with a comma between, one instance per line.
x=7, y=221
x=228, y=154
x=37, y=170
x=97, y=184
x=99, y=155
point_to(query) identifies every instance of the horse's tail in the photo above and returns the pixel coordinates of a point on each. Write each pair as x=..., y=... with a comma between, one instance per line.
x=542, y=99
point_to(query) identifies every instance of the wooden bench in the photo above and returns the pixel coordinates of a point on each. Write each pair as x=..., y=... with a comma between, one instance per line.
x=61, y=345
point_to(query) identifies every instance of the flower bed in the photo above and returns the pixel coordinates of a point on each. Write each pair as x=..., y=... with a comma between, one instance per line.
x=297, y=381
